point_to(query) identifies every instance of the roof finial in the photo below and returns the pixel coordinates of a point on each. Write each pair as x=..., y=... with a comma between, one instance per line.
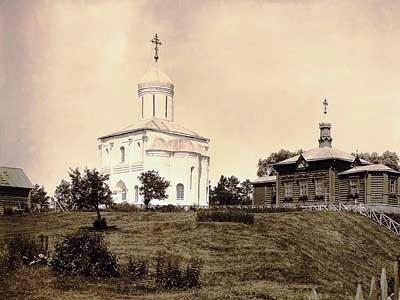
x=325, y=103
x=156, y=41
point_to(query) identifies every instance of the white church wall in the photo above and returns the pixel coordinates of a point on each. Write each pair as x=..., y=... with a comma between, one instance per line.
x=175, y=167
x=177, y=157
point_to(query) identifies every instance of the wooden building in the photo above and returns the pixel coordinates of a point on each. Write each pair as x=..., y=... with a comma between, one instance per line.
x=15, y=189
x=327, y=174
x=264, y=191
x=374, y=184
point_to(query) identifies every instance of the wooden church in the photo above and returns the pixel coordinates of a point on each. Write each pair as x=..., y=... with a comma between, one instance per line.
x=327, y=174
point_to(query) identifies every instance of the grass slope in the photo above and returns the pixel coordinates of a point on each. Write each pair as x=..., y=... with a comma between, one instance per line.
x=281, y=256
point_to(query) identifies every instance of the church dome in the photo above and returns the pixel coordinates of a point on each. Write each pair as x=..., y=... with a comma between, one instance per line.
x=155, y=77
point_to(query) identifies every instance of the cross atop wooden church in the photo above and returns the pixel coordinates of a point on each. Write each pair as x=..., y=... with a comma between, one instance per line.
x=325, y=104
x=157, y=42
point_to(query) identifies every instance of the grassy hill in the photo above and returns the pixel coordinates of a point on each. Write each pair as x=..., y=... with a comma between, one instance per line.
x=281, y=256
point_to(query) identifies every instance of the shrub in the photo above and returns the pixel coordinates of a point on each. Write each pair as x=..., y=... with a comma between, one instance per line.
x=100, y=224
x=84, y=253
x=169, y=273
x=25, y=250
x=225, y=216
x=192, y=274
x=125, y=207
x=6, y=264
x=137, y=268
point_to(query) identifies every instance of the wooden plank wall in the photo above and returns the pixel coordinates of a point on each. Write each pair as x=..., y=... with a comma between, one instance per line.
x=13, y=202
x=259, y=195
x=294, y=179
x=376, y=192
x=263, y=195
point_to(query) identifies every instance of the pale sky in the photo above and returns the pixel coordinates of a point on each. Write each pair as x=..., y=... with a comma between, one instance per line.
x=250, y=75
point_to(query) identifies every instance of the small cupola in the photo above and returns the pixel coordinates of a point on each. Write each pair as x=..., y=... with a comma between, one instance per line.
x=325, y=138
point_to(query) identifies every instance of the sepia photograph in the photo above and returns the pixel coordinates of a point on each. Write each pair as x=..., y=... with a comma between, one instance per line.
x=206, y=150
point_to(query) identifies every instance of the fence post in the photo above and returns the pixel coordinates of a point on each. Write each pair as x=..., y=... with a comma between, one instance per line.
x=373, y=294
x=359, y=294
x=384, y=285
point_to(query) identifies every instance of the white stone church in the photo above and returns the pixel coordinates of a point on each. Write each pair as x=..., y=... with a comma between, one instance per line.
x=157, y=143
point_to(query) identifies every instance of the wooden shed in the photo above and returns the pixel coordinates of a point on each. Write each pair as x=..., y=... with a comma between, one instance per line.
x=15, y=189
x=374, y=184
x=264, y=191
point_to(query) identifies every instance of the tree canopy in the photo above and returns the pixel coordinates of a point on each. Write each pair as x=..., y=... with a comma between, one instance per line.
x=153, y=186
x=39, y=198
x=63, y=194
x=85, y=190
x=387, y=158
x=265, y=165
x=230, y=191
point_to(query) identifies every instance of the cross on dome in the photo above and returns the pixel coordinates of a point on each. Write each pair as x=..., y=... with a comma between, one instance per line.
x=157, y=42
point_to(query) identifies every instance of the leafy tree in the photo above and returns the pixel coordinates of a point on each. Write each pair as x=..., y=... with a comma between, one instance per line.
x=230, y=191
x=63, y=194
x=153, y=186
x=246, y=192
x=39, y=198
x=265, y=165
x=388, y=158
x=90, y=189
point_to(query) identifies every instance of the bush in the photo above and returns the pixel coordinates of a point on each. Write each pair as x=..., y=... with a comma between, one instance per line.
x=24, y=250
x=192, y=274
x=84, y=253
x=100, y=224
x=225, y=216
x=137, y=268
x=169, y=273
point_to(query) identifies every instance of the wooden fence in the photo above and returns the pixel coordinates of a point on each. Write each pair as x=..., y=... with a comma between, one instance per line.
x=378, y=217
x=375, y=292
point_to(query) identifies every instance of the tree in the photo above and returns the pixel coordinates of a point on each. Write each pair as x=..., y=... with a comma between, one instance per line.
x=230, y=191
x=39, y=198
x=265, y=165
x=63, y=194
x=388, y=158
x=90, y=189
x=246, y=192
x=153, y=186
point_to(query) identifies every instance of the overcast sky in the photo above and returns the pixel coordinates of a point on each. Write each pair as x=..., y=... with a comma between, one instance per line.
x=250, y=75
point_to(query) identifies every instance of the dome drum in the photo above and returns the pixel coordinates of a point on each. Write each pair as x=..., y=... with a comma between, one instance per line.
x=162, y=88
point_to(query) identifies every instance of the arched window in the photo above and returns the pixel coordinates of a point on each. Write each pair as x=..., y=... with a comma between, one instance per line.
x=122, y=154
x=120, y=188
x=191, y=177
x=180, y=191
x=136, y=193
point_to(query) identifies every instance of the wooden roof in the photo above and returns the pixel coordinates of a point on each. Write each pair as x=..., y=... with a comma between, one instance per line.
x=14, y=177
x=369, y=168
x=325, y=153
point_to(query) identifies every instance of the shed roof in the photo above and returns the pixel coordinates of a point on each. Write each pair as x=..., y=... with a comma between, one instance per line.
x=159, y=125
x=14, y=177
x=369, y=168
x=323, y=153
x=264, y=179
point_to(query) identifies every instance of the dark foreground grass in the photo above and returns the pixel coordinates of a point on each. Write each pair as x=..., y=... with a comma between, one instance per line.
x=280, y=256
